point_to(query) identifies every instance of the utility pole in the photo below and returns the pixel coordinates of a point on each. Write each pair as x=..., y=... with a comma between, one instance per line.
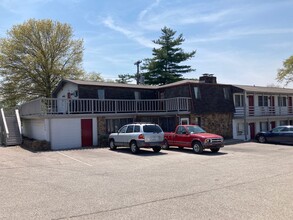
x=137, y=76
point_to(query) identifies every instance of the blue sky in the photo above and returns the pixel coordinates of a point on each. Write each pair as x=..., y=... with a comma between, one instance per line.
x=239, y=41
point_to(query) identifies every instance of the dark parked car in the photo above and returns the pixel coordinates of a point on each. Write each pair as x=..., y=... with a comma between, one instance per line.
x=280, y=134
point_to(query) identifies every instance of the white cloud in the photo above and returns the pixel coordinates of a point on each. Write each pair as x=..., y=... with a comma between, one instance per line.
x=109, y=22
x=239, y=33
x=148, y=9
x=154, y=18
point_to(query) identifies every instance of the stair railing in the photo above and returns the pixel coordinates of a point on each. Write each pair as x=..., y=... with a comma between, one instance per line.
x=18, y=120
x=5, y=123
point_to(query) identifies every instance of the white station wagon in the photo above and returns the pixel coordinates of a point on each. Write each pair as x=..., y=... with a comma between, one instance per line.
x=136, y=136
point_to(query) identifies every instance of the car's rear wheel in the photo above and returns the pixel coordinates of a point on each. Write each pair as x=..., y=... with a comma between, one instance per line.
x=156, y=149
x=112, y=144
x=261, y=139
x=165, y=145
x=197, y=147
x=215, y=150
x=133, y=147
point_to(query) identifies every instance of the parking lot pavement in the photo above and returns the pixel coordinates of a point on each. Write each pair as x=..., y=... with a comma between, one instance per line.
x=242, y=181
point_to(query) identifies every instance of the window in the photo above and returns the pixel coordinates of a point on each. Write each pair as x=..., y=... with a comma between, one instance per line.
x=136, y=128
x=282, y=101
x=240, y=128
x=283, y=122
x=152, y=129
x=184, y=121
x=197, y=93
x=122, y=130
x=137, y=95
x=264, y=126
x=195, y=129
x=112, y=125
x=226, y=93
x=101, y=94
x=263, y=101
x=239, y=101
x=129, y=129
x=180, y=130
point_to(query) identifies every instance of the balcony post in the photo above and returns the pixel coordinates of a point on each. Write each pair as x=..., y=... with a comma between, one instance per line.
x=67, y=102
x=92, y=106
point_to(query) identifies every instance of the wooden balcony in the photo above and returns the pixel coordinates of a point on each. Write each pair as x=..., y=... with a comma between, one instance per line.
x=263, y=111
x=52, y=106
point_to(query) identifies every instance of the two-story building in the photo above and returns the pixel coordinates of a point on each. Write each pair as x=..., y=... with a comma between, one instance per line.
x=82, y=112
x=260, y=109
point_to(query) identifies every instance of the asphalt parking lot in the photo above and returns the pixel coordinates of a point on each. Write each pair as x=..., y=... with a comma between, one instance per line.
x=242, y=181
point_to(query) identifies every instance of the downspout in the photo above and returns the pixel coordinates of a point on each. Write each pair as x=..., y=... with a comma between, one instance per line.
x=245, y=115
x=192, y=107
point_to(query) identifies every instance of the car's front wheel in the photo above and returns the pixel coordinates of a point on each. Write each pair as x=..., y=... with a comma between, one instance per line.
x=261, y=139
x=112, y=144
x=133, y=147
x=197, y=147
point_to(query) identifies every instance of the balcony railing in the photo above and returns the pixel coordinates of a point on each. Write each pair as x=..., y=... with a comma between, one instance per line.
x=258, y=111
x=51, y=106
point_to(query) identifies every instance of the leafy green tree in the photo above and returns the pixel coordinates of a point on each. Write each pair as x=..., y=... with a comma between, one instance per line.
x=286, y=73
x=34, y=57
x=124, y=78
x=93, y=76
x=165, y=66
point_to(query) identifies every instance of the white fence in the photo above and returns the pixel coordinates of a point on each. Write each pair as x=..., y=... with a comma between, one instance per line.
x=45, y=106
x=264, y=111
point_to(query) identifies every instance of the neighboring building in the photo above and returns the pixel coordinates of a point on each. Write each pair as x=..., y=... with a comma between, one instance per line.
x=260, y=109
x=82, y=113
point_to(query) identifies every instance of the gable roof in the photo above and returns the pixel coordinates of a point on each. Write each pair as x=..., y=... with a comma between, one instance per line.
x=267, y=90
x=119, y=85
x=108, y=84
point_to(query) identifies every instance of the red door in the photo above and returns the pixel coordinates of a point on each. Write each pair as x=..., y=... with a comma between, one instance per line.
x=252, y=130
x=86, y=132
x=273, y=124
x=251, y=105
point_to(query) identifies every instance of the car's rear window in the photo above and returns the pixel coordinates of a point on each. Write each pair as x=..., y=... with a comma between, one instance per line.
x=152, y=128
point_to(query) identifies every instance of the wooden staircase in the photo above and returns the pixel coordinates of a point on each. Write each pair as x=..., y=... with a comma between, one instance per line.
x=10, y=132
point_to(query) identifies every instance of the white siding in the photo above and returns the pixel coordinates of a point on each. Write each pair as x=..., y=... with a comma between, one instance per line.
x=66, y=133
x=36, y=129
x=67, y=88
x=62, y=133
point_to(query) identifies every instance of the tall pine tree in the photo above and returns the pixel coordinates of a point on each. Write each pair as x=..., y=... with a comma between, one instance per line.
x=164, y=67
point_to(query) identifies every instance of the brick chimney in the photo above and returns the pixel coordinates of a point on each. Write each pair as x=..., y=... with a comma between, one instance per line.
x=208, y=78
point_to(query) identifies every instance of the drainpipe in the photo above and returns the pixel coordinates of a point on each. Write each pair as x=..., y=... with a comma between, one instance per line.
x=245, y=115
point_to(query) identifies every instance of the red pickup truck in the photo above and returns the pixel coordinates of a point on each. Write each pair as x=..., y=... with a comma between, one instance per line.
x=193, y=136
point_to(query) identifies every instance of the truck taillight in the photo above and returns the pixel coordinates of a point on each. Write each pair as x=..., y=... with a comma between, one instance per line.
x=141, y=136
